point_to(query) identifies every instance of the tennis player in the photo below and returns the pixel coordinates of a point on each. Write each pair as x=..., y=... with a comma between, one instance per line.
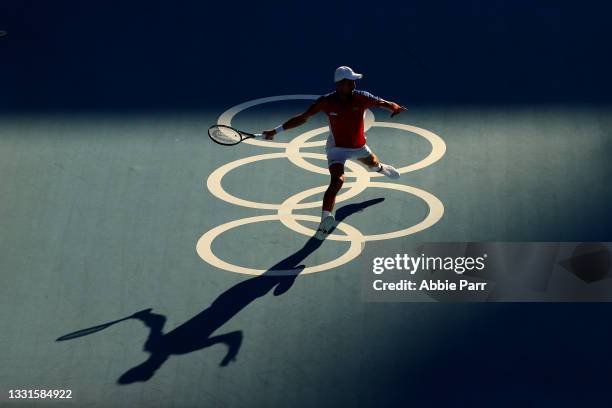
x=345, y=109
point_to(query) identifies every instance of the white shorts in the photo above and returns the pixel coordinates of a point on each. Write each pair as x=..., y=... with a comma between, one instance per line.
x=342, y=154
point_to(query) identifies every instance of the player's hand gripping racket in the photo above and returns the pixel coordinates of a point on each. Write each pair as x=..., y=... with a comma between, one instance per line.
x=399, y=110
x=228, y=136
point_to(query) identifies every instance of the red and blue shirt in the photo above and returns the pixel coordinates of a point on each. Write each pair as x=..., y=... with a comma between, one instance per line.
x=346, y=118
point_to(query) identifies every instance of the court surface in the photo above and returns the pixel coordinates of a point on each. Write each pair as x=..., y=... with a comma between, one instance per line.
x=113, y=201
x=97, y=228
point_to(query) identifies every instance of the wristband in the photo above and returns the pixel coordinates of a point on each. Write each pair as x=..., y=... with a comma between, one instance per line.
x=279, y=129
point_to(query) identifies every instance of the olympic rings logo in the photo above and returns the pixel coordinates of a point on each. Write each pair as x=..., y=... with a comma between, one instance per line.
x=285, y=210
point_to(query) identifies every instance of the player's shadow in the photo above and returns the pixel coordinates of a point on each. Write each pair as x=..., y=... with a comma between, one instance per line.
x=197, y=333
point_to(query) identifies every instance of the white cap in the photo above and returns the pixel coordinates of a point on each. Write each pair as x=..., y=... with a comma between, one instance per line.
x=344, y=72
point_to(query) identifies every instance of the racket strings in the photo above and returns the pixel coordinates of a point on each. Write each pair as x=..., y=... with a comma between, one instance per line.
x=225, y=135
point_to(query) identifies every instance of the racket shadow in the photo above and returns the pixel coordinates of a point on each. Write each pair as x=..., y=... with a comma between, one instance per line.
x=198, y=332
x=94, y=329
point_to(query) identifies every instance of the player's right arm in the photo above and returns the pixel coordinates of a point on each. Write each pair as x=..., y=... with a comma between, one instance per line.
x=297, y=120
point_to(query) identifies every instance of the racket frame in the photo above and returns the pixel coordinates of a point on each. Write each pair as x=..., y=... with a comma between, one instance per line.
x=243, y=135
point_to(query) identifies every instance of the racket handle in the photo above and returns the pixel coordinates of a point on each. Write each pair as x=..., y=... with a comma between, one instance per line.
x=258, y=135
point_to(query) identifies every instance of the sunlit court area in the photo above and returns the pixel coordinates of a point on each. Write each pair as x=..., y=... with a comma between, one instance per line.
x=142, y=264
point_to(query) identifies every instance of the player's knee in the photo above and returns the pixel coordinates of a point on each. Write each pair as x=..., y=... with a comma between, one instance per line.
x=337, y=180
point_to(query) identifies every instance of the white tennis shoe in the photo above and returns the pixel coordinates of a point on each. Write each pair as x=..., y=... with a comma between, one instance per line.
x=325, y=227
x=389, y=171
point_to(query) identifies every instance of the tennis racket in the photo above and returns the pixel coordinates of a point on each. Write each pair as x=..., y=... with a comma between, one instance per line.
x=228, y=136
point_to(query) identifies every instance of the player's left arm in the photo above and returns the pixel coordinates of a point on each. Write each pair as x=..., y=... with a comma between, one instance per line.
x=376, y=102
x=395, y=108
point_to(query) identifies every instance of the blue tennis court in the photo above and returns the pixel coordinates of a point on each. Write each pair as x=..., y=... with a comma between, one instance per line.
x=144, y=265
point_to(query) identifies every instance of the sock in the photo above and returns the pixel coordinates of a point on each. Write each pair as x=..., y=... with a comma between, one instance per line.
x=325, y=214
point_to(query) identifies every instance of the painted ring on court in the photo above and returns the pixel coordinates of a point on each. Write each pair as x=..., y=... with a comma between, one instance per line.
x=226, y=118
x=435, y=213
x=438, y=149
x=296, y=157
x=214, y=185
x=204, y=245
x=285, y=209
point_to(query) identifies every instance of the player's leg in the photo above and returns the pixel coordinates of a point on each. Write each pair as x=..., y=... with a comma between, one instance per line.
x=336, y=172
x=371, y=160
